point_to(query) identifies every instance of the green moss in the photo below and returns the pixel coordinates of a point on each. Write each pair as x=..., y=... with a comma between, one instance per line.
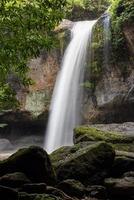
x=122, y=13
x=58, y=156
x=94, y=134
x=79, y=162
x=25, y=196
x=123, y=147
x=2, y=125
x=24, y=160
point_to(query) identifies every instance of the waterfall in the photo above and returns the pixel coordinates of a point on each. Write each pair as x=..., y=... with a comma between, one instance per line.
x=107, y=35
x=66, y=99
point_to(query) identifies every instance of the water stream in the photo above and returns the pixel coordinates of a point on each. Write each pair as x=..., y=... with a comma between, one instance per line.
x=66, y=99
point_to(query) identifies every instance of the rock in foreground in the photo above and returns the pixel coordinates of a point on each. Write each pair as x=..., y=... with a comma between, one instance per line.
x=33, y=162
x=88, y=164
x=14, y=180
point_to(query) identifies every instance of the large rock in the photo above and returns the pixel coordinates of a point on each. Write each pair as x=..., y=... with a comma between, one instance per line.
x=8, y=193
x=38, y=188
x=87, y=164
x=87, y=133
x=97, y=191
x=33, y=162
x=121, y=165
x=14, y=180
x=120, y=187
x=26, y=196
x=72, y=187
x=58, y=194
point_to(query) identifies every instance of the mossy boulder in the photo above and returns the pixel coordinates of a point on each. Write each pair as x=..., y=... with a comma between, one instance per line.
x=72, y=187
x=58, y=194
x=32, y=188
x=26, y=196
x=8, y=193
x=34, y=162
x=97, y=191
x=87, y=133
x=121, y=165
x=87, y=164
x=123, y=188
x=14, y=180
x=128, y=147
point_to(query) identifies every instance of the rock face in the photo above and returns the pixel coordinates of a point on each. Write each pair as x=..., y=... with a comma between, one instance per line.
x=129, y=34
x=33, y=162
x=112, y=99
x=91, y=161
x=21, y=130
x=43, y=71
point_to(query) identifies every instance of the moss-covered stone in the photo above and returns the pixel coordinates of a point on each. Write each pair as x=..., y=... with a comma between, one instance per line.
x=57, y=193
x=8, y=193
x=123, y=188
x=14, y=180
x=124, y=147
x=60, y=154
x=25, y=196
x=121, y=165
x=72, y=187
x=87, y=133
x=34, y=188
x=86, y=164
x=34, y=162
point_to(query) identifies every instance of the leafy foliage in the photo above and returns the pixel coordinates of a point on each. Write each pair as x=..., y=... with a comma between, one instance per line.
x=25, y=29
x=122, y=12
x=7, y=98
x=89, y=7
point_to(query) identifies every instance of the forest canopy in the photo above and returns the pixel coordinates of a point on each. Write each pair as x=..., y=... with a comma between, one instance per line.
x=25, y=29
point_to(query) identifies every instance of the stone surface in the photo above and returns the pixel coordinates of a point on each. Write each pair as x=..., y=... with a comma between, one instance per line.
x=21, y=123
x=8, y=193
x=126, y=128
x=72, y=187
x=33, y=162
x=112, y=99
x=26, y=196
x=96, y=134
x=91, y=161
x=5, y=144
x=128, y=30
x=97, y=191
x=14, y=180
x=38, y=188
x=121, y=165
x=59, y=194
x=43, y=71
x=121, y=187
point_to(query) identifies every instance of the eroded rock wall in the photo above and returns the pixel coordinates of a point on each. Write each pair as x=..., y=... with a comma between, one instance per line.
x=113, y=97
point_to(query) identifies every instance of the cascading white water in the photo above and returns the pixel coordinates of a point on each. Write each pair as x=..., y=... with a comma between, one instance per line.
x=66, y=100
x=107, y=35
